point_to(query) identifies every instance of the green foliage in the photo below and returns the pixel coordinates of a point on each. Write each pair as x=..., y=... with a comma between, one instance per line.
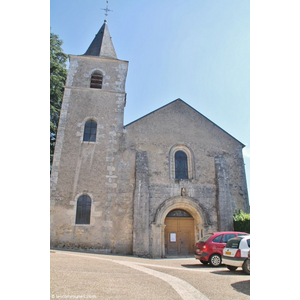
x=241, y=221
x=58, y=75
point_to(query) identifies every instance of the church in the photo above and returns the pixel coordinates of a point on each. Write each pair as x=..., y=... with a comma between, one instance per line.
x=149, y=188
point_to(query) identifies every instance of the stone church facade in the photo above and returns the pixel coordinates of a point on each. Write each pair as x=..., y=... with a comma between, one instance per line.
x=152, y=187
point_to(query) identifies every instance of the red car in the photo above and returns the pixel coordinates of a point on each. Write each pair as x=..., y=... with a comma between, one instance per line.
x=210, y=248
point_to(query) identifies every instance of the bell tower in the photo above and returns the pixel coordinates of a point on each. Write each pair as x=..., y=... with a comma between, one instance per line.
x=84, y=176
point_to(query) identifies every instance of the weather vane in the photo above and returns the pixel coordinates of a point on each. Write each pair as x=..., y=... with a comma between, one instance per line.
x=106, y=10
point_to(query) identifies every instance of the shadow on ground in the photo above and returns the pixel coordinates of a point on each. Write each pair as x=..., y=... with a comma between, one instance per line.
x=230, y=273
x=242, y=287
x=200, y=266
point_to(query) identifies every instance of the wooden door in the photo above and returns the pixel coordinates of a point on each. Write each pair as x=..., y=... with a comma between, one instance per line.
x=179, y=236
x=184, y=240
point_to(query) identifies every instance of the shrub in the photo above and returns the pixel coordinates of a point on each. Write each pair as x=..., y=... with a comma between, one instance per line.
x=241, y=221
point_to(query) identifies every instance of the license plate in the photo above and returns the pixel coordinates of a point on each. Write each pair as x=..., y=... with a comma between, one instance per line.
x=228, y=252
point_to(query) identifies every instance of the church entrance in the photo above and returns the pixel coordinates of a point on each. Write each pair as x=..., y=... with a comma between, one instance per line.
x=179, y=233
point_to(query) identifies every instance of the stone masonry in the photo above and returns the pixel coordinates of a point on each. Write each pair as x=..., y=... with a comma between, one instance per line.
x=128, y=172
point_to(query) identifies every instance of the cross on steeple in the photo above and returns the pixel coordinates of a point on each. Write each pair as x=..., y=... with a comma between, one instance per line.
x=106, y=10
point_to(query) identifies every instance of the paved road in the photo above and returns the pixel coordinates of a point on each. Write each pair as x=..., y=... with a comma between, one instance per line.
x=77, y=275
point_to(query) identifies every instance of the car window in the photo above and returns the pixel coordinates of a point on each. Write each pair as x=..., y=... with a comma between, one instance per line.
x=205, y=238
x=228, y=237
x=242, y=234
x=248, y=242
x=218, y=239
x=233, y=243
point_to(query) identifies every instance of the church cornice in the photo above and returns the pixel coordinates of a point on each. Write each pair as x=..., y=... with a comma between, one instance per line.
x=97, y=58
x=94, y=90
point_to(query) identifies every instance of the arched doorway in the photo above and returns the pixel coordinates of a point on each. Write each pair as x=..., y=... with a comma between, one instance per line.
x=158, y=226
x=179, y=233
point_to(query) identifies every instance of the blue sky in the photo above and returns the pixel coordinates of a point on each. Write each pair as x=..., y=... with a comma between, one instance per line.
x=196, y=50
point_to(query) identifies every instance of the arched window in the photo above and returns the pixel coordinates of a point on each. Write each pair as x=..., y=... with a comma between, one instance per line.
x=96, y=80
x=181, y=162
x=83, y=211
x=181, y=165
x=90, y=130
x=178, y=213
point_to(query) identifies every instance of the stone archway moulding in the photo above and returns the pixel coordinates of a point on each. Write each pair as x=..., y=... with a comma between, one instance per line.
x=185, y=203
x=158, y=225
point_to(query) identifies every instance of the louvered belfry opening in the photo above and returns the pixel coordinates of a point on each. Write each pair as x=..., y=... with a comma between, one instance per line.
x=96, y=80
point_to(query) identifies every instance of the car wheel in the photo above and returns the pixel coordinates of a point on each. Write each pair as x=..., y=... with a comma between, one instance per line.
x=231, y=268
x=246, y=266
x=215, y=260
x=204, y=262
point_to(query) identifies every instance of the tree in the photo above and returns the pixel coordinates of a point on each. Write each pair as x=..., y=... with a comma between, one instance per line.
x=58, y=75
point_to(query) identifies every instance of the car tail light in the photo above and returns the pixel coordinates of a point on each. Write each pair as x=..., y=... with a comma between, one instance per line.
x=238, y=253
x=204, y=247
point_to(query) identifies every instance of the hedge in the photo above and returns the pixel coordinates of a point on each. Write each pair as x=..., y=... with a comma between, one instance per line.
x=241, y=221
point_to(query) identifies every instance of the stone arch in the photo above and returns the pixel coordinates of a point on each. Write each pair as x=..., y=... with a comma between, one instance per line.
x=96, y=70
x=185, y=203
x=188, y=204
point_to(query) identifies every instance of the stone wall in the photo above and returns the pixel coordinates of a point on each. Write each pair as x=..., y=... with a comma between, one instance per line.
x=93, y=168
x=216, y=180
x=129, y=172
x=141, y=205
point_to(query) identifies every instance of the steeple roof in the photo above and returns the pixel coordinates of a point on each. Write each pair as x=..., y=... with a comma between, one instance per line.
x=102, y=45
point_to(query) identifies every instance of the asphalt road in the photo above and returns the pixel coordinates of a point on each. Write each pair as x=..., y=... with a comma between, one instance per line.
x=77, y=275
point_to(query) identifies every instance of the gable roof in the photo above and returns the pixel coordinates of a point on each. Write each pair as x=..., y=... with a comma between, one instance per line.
x=180, y=100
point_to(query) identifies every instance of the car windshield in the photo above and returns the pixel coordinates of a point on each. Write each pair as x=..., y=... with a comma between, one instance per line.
x=205, y=238
x=233, y=243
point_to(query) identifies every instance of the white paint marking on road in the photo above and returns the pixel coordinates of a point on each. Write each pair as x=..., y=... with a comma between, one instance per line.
x=176, y=268
x=183, y=288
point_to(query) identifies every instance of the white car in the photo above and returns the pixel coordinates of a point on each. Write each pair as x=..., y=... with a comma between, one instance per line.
x=235, y=253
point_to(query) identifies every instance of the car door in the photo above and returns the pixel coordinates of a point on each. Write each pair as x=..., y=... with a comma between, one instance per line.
x=217, y=245
x=221, y=245
x=232, y=247
x=226, y=238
